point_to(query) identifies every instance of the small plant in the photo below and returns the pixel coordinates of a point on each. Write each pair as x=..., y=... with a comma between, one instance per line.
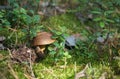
x=86, y=50
x=20, y=22
x=3, y=21
x=103, y=18
x=57, y=50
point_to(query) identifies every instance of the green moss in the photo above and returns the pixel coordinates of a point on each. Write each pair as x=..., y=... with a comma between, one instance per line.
x=4, y=70
x=67, y=21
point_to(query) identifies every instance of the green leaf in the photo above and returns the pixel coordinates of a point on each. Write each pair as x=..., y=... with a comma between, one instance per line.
x=25, y=31
x=109, y=11
x=22, y=10
x=66, y=54
x=52, y=53
x=102, y=24
x=36, y=19
x=58, y=33
x=28, y=20
x=96, y=12
x=56, y=44
x=97, y=19
x=1, y=16
x=50, y=48
x=31, y=12
x=109, y=20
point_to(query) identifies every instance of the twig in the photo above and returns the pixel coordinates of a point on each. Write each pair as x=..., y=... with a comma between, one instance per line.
x=13, y=72
x=32, y=74
x=29, y=77
x=103, y=76
x=9, y=52
x=81, y=73
x=30, y=65
x=12, y=29
x=10, y=67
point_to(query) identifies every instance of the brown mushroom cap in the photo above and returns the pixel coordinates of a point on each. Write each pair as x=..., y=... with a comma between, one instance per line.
x=43, y=38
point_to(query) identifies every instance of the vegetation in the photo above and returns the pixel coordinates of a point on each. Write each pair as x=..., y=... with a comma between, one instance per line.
x=95, y=55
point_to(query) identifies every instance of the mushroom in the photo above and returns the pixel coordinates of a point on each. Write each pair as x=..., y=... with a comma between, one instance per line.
x=40, y=41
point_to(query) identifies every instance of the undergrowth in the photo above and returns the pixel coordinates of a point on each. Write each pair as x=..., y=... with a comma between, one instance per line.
x=20, y=27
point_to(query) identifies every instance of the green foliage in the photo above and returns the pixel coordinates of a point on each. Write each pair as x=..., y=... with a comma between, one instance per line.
x=3, y=20
x=103, y=18
x=116, y=2
x=105, y=12
x=20, y=18
x=25, y=22
x=57, y=50
x=85, y=51
x=27, y=4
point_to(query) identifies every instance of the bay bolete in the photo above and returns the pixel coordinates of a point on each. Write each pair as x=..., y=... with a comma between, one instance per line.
x=41, y=40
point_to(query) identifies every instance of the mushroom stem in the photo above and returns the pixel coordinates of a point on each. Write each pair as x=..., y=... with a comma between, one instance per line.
x=40, y=51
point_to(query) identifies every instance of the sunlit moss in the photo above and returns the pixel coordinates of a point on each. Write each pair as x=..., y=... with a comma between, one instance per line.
x=64, y=21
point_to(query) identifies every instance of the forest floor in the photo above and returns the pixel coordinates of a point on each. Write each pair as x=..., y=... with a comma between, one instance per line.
x=78, y=66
